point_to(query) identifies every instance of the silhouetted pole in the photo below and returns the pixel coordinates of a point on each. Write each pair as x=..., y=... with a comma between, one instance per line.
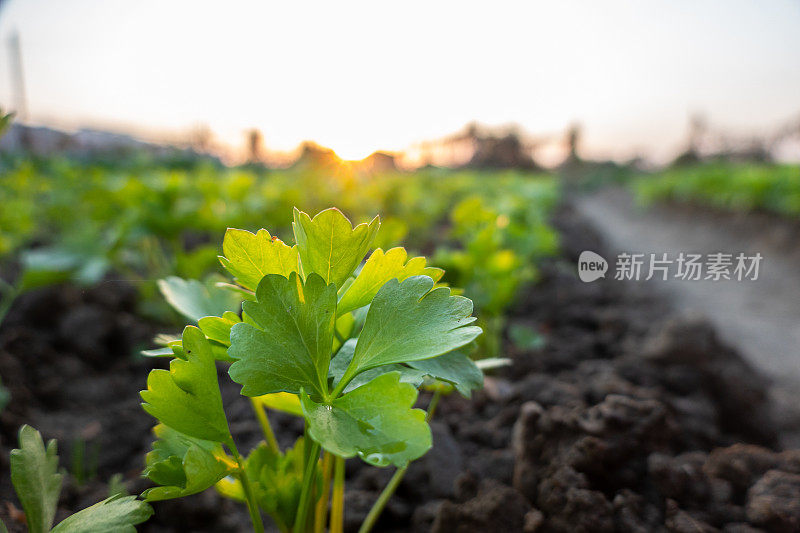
x=17, y=77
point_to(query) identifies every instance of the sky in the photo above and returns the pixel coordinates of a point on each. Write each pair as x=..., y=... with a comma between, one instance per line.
x=364, y=75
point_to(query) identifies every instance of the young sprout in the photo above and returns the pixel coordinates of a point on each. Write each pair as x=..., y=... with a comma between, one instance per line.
x=344, y=348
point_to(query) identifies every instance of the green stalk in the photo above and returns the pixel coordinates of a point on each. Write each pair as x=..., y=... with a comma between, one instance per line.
x=337, y=500
x=321, y=513
x=252, y=505
x=391, y=487
x=308, y=480
x=8, y=293
x=261, y=415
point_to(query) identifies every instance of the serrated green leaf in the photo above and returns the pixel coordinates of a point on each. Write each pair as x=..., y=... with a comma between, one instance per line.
x=249, y=257
x=117, y=514
x=187, y=398
x=454, y=367
x=329, y=245
x=407, y=321
x=380, y=268
x=34, y=474
x=291, y=347
x=375, y=421
x=342, y=359
x=196, y=300
x=183, y=465
x=3, y=528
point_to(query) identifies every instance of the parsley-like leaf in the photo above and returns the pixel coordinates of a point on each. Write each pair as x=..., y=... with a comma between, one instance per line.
x=407, y=321
x=249, y=257
x=186, y=397
x=329, y=244
x=291, y=347
x=183, y=465
x=117, y=514
x=375, y=421
x=380, y=268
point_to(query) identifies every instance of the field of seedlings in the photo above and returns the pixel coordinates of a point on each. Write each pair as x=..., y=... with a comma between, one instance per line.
x=240, y=349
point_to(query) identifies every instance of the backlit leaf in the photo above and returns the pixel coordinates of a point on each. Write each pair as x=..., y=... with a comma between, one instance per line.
x=249, y=257
x=380, y=268
x=330, y=246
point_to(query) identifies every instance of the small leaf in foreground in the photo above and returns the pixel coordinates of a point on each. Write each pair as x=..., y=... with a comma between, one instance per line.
x=375, y=421
x=183, y=465
x=117, y=514
x=186, y=397
x=34, y=475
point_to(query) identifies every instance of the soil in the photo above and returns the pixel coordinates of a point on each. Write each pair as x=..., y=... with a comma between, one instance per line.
x=630, y=418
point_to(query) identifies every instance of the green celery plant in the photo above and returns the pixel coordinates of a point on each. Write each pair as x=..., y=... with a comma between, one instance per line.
x=34, y=474
x=345, y=348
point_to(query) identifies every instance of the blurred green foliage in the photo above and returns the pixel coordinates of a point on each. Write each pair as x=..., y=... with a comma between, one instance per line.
x=69, y=220
x=733, y=187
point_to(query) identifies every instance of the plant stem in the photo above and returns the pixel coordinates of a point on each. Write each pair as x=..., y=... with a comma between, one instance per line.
x=337, y=500
x=391, y=487
x=261, y=415
x=308, y=480
x=321, y=513
x=8, y=293
x=252, y=505
x=432, y=405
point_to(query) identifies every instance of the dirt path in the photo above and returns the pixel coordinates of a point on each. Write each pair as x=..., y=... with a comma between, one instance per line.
x=761, y=318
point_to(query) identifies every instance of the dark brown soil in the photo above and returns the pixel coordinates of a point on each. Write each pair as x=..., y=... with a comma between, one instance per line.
x=628, y=419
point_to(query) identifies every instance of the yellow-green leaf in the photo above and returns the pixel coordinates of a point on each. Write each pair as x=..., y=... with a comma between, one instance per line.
x=251, y=256
x=330, y=246
x=380, y=268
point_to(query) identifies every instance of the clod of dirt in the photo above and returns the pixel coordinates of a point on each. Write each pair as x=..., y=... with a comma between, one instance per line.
x=496, y=508
x=774, y=501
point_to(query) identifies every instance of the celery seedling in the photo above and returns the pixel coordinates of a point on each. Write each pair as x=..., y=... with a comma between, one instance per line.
x=346, y=351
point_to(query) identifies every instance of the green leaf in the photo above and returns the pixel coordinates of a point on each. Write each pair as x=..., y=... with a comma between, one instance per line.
x=183, y=465
x=187, y=398
x=291, y=347
x=407, y=321
x=35, y=478
x=277, y=480
x=219, y=328
x=330, y=246
x=454, y=367
x=342, y=359
x=249, y=257
x=117, y=514
x=375, y=421
x=195, y=300
x=380, y=268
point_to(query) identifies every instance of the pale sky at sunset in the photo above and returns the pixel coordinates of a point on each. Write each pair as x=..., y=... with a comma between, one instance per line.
x=361, y=76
